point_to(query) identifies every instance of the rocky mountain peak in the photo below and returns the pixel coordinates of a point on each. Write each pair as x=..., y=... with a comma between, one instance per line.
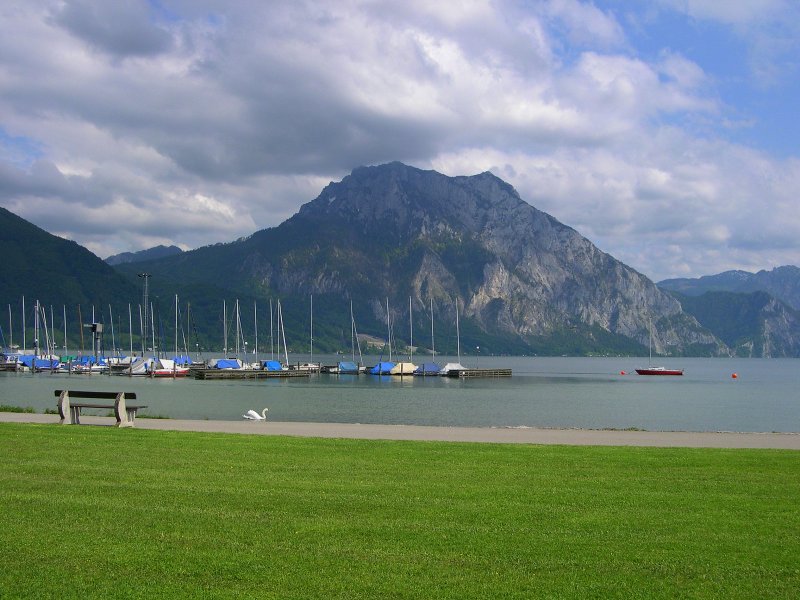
x=473, y=241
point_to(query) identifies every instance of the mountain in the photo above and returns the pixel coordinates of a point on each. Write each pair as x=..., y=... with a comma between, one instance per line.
x=781, y=282
x=142, y=255
x=522, y=281
x=750, y=324
x=55, y=271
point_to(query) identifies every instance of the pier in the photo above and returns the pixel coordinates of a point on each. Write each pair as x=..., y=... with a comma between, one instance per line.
x=480, y=373
x=245, y=374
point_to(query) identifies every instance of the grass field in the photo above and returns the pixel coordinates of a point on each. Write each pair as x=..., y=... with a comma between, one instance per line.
x=103, y=512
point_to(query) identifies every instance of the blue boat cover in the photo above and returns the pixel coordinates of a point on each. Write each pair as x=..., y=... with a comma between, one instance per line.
x=89, y=360
x=182, y=360
x=382, y=368
x=227, y=363
x=46, y=363
x=272, y=365
x=427, y=369
x=346, y=366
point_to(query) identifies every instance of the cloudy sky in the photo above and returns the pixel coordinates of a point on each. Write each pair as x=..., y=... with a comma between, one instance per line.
x=665, y=131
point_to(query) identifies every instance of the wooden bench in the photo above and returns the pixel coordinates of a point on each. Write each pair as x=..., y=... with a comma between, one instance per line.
x=70, y=412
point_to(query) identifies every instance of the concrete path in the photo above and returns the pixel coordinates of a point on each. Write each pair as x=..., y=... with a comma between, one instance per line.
x=572, y=437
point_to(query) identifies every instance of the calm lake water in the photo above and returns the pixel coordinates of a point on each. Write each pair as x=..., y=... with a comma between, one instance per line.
x=543, y=392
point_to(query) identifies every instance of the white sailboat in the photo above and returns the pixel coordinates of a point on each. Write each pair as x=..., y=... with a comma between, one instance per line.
x=452, y=368
x=407, y=368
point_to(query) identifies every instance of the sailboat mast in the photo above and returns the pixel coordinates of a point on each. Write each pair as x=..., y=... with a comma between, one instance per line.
x=411, y=329
x=433, y=345
x=187, y=336
x=36, y=328
x=141, y=327
x=389, y=329
x=311, y=332
x=153, y=330
x=283, y=332
x=271, y=340
x=255, y=325
x=130, y=327
x=352, y=332
x=238, y=328
x=224, y=329
x=52, y=331
x=176, y=325
x=458, y=336
x=113, y=339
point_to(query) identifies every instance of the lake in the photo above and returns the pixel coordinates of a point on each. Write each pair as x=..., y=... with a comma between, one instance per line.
x=543, y=392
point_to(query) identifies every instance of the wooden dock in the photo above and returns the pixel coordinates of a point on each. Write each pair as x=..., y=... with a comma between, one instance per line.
x=244, y=374
x=480, y=373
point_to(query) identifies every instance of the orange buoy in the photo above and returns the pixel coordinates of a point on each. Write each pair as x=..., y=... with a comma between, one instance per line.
x=622, y=372
x=734, y=375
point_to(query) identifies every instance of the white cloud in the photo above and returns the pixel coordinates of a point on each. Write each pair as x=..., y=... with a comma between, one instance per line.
x=195, y=122
x=586, y=25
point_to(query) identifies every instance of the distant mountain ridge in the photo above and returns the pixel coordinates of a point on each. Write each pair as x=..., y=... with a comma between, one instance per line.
x=142, y=255
x=781, y=282
x=395, y=232
x=754, y=324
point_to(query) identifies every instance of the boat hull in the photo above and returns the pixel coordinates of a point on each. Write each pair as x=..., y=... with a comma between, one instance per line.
x=659, y=371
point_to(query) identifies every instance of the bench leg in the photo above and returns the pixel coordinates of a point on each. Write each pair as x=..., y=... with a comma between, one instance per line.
x=75, y=414
x=64, y=409
x=121, y=412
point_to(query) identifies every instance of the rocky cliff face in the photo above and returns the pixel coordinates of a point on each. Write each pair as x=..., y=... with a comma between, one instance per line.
x=396, y=231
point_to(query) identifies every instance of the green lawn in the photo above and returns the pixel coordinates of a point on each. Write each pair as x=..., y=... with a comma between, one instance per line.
x=98, y=511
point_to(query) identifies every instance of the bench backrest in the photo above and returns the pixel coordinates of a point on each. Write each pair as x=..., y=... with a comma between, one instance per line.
x=95, y=394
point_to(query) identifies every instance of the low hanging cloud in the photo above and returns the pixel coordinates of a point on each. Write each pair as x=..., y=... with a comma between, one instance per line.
x=194, y=123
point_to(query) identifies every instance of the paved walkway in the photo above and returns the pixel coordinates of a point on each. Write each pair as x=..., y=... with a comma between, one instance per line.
x=573, y=437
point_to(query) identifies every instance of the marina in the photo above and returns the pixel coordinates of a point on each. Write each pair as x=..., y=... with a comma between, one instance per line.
x=545, y=392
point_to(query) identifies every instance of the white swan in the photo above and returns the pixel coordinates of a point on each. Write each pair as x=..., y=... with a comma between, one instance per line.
x=254, y=416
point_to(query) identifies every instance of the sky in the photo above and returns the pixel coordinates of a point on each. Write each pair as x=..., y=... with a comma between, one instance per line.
x=666, y=132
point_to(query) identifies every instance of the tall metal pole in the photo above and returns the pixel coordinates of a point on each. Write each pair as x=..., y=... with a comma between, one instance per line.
x=146, y=304
x=411, y=329
x=433, y=344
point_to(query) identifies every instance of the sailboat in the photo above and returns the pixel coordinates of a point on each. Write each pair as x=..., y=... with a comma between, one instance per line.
x=385, y=367
x=407, y=368
x=352, y=368
x=651, y=370
x=453, y=369
x=310, y=366
x=429, y=368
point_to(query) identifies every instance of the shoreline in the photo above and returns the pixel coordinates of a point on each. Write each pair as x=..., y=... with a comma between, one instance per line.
x=496, y=435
